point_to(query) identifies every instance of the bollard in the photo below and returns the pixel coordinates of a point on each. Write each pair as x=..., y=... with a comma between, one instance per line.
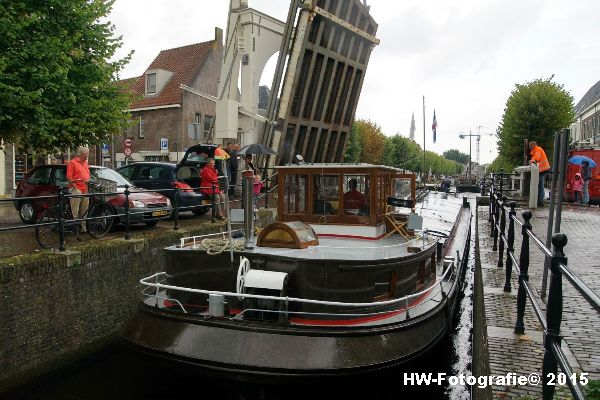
x=502, y=231
x=176, y=208
x=61, y=221
x=524, y=275
x=511, y=241
x=127, y=193
x=553, y=314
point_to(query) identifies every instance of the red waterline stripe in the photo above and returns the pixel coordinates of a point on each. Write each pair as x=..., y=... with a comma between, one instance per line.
x=337, y=322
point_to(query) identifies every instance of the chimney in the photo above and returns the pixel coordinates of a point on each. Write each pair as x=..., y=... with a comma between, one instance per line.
x=219, y=36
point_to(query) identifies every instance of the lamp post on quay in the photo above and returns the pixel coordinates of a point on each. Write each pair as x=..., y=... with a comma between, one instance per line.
x=470, y=135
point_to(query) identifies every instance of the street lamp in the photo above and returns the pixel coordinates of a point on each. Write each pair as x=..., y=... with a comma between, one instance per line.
x=470, y=135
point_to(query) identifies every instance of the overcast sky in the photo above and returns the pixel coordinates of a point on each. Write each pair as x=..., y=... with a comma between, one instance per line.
x=464, y=56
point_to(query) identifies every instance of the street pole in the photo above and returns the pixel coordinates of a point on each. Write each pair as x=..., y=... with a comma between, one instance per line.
x=469, y=169
x=423, y=173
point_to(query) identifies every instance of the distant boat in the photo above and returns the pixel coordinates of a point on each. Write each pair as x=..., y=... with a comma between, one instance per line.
x=345, y=282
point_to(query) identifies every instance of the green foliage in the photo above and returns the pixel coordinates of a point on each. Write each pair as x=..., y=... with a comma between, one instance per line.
x=500, y=163
x=57, y=87
x=368, y=144
x=457, y=156
x=534, y=111
x=354, y=149
x=592, y=390
x=402, y=152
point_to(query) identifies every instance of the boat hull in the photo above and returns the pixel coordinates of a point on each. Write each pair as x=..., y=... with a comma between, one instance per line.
x=253, y=352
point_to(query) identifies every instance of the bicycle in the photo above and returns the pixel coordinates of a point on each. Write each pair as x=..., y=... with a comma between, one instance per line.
x=98, y=219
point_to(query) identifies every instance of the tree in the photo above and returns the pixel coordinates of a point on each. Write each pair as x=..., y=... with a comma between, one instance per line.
x=353, y=150
x=534, y=111
x=372, y=141
x=57, y=87
x=457, y=156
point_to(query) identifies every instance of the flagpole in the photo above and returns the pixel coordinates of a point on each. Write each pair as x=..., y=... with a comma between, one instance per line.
x=423, y=173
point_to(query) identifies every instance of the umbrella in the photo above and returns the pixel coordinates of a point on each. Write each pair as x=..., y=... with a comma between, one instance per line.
x=221, y=154
x=578, y=160
x=256, y=148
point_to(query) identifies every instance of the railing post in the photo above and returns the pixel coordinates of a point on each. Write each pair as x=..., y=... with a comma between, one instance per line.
x=496, y=222
x=127, y=193
x=511, y=241
x=267, y=180
x=61, y=221
x=213, y=212
x=501, y=180
x=553, y=313
x=491, y=207
x=524, y=275
x=176, y=208
x=502, y=231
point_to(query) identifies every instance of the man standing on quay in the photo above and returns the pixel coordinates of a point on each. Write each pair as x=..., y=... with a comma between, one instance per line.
x=78, y=175
x=538, y=156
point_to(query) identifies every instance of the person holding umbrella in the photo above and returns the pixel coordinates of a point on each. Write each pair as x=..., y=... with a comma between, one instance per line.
x=586, y=176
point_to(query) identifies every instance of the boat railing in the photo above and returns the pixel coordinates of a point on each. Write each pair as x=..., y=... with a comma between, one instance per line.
x=154, y=284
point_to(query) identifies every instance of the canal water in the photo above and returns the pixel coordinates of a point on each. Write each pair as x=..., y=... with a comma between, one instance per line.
x=119, y=373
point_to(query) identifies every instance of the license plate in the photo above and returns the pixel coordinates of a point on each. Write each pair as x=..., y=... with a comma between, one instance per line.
x=160, y=213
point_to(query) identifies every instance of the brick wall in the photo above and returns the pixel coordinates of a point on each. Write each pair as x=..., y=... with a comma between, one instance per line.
x=56, y=309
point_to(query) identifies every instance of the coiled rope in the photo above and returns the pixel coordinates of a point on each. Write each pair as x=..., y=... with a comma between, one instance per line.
x=218, y=246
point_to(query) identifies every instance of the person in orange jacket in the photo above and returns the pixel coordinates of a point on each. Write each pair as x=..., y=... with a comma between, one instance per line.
x=538, y=156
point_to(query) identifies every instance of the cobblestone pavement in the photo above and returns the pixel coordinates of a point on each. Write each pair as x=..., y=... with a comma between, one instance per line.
x=511, y=353
x=23, y=240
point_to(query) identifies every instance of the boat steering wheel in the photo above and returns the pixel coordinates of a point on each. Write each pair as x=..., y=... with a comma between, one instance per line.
x=241, y=275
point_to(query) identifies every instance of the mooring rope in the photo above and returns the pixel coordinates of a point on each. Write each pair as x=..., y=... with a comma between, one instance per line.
x=218, y=246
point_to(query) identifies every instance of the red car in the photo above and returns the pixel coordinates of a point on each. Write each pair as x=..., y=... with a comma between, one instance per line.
x=44, y=180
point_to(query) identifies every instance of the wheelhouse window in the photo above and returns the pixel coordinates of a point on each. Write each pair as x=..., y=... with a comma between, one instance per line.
x=356, y=194
x=295, y=195
x=326, y=192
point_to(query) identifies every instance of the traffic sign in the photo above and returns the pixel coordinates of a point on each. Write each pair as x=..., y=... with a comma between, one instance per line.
x=164, y=145
x=127, y=151
x=128, y=142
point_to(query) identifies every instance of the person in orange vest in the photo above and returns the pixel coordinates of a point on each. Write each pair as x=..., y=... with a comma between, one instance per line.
x=538, y=156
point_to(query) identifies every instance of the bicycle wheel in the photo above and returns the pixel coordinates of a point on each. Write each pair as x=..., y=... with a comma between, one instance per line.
x=48, y=235
x=101, y=220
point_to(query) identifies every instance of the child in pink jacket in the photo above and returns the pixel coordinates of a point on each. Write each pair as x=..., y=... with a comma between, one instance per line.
x=577, y=186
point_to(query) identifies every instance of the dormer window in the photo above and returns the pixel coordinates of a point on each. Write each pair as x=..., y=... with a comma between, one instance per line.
x=151, y=83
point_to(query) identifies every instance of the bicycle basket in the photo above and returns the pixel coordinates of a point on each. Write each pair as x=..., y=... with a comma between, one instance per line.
x=102, y=185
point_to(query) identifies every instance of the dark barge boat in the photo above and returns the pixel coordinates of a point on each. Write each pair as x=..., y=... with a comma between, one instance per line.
x=350, y=279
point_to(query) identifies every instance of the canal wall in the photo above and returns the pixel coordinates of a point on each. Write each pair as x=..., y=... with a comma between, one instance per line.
x=480, y=356
x=58, y=308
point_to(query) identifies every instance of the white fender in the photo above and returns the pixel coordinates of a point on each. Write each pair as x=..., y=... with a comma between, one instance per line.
x=241, y=275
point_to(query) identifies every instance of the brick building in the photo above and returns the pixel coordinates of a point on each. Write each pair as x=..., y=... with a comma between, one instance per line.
x=166, y=119
x=586, y=128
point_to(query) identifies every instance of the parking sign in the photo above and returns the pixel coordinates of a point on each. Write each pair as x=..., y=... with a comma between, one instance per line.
x=164, y=145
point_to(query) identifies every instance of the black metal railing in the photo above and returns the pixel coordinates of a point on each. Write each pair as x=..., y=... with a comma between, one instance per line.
x=61, y=200
x=551, y=320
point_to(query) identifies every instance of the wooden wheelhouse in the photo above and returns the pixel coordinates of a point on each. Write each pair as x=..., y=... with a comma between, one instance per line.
x=342, y=194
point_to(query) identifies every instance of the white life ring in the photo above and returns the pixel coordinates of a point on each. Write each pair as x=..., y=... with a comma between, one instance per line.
x=241, y=275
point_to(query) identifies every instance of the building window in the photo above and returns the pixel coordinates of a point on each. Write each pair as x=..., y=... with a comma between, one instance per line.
x=141, y=126
x=197, y=118
x=208, y=120
x=151, y=83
